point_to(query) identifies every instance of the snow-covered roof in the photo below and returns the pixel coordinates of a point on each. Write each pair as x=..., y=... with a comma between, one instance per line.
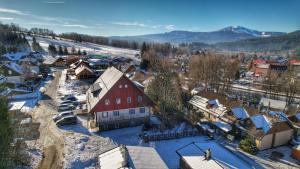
x=131, y=157
x=214, y=102
x=223, y=126
x=193, y=155
x=240, y=113
x=275, y=104
x=15, y=56
x=280, y=115
x=195, y=158
x=202, y=103
x=115, y=158
x=261, y=122
x=79, y=69
x=16, y=105
x=139, y=158
x=15, y=67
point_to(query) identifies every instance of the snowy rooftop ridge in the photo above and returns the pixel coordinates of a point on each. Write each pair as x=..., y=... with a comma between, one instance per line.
x=261, y=122
x=15, y=67
x=15, y=56
x=240, y=113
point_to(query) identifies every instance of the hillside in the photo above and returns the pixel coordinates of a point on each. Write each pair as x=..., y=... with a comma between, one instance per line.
x=228, y=34
x=289, y=41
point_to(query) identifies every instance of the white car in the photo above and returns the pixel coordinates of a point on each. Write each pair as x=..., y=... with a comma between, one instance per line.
x=62, y=114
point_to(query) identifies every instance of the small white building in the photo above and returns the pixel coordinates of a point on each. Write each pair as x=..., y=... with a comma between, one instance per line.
x=131, y=157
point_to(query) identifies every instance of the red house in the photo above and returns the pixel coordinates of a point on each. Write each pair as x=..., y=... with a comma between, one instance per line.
x=115, y=101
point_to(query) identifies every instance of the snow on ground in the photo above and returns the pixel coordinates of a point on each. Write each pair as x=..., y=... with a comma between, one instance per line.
x=90, y=48
x=31, y=99
x=166, y=148
x=75, y=87
x=83, y=148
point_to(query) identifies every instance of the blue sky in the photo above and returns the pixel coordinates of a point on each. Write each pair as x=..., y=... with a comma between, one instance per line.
x=136, y=17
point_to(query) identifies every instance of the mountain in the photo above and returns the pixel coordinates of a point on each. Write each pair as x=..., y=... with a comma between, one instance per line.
x=228, y=34
x=289, y=41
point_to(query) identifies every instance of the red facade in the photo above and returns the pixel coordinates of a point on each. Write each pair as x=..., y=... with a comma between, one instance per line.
x=123, y=89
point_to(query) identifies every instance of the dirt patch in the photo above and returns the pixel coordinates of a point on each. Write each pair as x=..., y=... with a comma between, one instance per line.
x=51, y=158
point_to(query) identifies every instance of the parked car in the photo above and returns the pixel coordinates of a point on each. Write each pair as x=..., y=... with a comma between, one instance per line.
x=71, y=119
x=68, y=97
x=61, y=115
x=62, y=108
x=75, y=103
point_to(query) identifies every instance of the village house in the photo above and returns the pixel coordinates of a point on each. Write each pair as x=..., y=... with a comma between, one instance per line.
x=13, y=73
x=131, y=157
x=115, y=101
x=269, y=130
x=295, y=66
x=84, y=72
x=267, y=104
x=211, y=109
x=211, y=155
x=54, y=61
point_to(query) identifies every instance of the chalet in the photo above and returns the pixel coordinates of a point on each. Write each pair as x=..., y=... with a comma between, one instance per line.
x=266, y=104
x=80, y=63
x=261, y=70
x=84, y=72
x=269, y=130
x=115, y=101
x=211, y=109
x=295, y=65
x=131, y=157
x=210, y=155
x=54, y=61
x=13, y=73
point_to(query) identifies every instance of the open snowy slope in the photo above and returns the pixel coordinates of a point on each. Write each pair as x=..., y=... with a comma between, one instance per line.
x=90, y=48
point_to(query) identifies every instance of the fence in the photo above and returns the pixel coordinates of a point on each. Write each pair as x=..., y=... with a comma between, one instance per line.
x=169, y=135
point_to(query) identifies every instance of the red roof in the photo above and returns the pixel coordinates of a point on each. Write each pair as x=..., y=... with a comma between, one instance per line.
x=294, y=62
x=258, y=61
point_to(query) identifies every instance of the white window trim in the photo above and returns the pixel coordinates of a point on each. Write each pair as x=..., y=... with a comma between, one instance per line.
x=131, y=110
x=118, y=100
x=140, y=99
x=106, y=101
x=104, y=114
x=118, y=114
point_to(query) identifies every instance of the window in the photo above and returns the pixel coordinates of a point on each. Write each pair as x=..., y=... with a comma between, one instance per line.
x=104, y=114
x=128, y=99
x=142, y=110
x=131, y=111
x=116, y=113
x=126, y=86
x=140, y=98
x=118, y=100
x=120, y=86
x=107, y=101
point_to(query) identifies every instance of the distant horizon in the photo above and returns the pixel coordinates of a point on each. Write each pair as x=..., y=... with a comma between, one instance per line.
x=134, y=17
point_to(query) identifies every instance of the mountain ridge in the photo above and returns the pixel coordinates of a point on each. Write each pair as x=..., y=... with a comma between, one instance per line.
x=227, y=34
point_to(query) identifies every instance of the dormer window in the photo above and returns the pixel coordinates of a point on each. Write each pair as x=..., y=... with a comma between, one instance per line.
x=107, y=101
x=118, y=100
x=140, y=98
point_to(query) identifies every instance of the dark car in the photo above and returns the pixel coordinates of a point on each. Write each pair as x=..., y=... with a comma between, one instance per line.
x=67, y=120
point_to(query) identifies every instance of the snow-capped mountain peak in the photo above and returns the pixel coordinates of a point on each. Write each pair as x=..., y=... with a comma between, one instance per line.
x=240, y=29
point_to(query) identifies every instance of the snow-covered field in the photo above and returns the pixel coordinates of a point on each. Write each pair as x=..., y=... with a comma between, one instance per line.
x=90, y=48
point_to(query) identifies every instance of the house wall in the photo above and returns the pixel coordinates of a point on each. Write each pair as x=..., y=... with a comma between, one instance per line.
x=120, y=91
x=85, y=74
x=283, y=137
x=108, y=120
x=265, y=142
